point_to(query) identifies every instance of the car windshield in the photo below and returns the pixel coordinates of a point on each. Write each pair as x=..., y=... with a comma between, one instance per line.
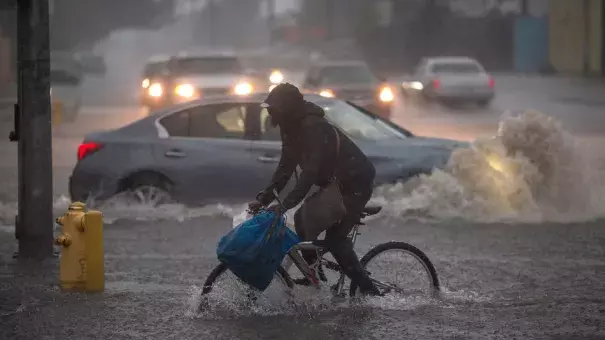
x=206, y=65
x=153, y=69
x=457, y=67
x=356, y=123
x=346, y=75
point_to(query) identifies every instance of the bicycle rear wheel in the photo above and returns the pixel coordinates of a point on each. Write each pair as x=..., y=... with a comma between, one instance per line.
x=221, y=271
x=379, y=261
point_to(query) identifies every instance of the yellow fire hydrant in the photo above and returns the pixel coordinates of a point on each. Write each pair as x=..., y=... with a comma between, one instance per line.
x=82, y=266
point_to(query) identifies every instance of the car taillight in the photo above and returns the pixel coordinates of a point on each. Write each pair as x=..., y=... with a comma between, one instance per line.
x=88, y=148
x=491, y=82
x=436, y=84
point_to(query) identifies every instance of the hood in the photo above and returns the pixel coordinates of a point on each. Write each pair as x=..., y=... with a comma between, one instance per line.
x=419, y=152
x=210, y=81
x=439, y=143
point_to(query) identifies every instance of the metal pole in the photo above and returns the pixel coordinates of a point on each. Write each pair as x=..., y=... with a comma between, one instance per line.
x=35, y=220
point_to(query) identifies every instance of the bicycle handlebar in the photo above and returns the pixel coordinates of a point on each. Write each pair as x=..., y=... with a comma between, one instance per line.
x=281, y=204
x=279, y=201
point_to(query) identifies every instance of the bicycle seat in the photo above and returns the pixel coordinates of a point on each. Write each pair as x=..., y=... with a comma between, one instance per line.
x=370, y=210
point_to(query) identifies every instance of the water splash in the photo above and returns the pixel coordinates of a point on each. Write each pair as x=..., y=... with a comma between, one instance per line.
x=531, y=171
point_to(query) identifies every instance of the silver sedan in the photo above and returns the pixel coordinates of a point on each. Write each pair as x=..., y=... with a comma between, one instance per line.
x=450, y=79
x=222, y=149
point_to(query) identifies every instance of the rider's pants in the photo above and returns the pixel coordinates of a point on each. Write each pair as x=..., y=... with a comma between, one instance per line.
x=338, y=243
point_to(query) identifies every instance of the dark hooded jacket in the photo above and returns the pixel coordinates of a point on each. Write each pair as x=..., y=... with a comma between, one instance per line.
x=309, y=141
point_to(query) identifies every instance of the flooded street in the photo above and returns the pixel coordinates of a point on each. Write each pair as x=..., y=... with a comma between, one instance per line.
x=500, y=281
x=504, y=276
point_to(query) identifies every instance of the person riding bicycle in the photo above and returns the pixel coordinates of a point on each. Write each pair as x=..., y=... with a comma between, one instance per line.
x=310, y=142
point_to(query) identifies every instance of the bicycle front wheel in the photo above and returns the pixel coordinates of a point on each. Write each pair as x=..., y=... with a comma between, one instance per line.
x=398, y=267
x=228, y=287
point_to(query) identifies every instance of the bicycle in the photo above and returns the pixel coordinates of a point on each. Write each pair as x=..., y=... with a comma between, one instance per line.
x=319, y=246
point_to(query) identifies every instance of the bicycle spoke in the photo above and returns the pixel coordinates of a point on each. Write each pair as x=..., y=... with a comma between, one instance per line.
x=400, y=268
x=388, y=287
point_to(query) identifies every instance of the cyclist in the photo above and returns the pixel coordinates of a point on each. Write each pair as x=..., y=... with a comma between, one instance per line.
x=309, y=141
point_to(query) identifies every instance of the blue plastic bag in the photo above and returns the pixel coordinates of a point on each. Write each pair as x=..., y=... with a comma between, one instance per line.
x=254, y=249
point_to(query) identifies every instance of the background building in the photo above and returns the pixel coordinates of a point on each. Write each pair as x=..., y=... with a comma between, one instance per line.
x=577, y=36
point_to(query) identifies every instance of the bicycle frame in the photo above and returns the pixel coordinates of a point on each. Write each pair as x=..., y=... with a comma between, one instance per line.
x=296, y=258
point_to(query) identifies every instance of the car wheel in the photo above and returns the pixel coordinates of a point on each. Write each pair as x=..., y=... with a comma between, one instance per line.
x=147, y=189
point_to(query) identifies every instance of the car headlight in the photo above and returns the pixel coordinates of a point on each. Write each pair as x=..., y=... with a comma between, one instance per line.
x=386, y=94
x=155, y=90
x=276, y=77
x=185, y=90
x=145, y=83
x=243, y=89
x=327, y=93
x=416, y=85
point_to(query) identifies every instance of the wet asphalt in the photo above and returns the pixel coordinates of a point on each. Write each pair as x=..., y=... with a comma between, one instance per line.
x=500, y=281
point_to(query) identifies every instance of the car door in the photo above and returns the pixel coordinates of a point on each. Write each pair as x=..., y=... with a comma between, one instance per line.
x=207, y=153
x=266, y=150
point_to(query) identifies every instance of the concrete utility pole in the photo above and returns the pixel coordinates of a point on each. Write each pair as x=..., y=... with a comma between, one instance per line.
x=34, y=225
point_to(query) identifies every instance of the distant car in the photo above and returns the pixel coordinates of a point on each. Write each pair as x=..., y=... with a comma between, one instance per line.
x=223, y=149
x=191, y=76
x=152, y=72
x=451, y=80
x=351, y=81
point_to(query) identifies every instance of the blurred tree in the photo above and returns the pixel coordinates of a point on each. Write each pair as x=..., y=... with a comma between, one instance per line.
x=84, y=22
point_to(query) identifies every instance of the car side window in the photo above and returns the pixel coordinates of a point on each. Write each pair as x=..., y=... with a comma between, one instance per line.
x=218, y=121
x=176, y=124
x=268, y=132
